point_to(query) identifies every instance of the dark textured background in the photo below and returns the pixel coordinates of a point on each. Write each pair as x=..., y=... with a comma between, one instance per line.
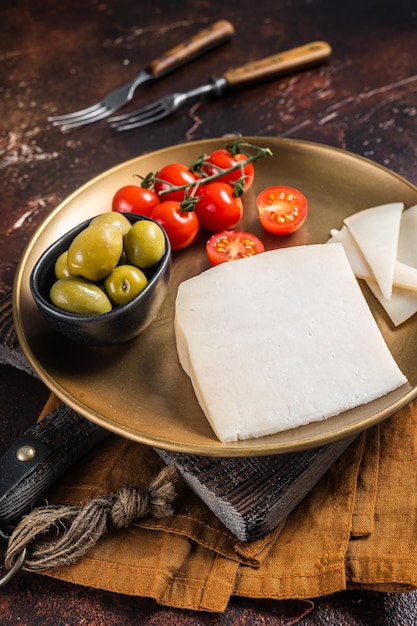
x=59, y=56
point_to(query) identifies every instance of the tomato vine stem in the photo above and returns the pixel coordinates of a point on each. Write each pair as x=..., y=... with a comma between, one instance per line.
x=190, y=189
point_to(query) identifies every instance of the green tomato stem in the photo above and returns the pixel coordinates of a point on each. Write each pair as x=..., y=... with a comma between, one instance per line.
x=190, y=188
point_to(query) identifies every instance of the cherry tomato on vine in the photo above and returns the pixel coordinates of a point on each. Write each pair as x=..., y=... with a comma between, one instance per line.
x=181, y=226
x=217, y=208
x=231, y=245
x=223, y=159
x=282, y=210
x=175, y=174
x=134, y=199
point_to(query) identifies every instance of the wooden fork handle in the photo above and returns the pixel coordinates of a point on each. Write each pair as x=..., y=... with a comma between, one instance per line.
x=208, y=38
x=280, y=63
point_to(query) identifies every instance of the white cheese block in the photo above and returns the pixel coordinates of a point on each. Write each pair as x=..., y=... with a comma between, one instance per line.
x=376, y=231
x=280, y=339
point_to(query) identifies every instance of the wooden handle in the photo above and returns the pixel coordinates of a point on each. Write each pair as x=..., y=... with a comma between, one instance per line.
x=213, y=35
x=280, y=63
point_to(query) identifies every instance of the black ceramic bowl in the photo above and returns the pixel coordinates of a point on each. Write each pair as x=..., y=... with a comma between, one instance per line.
x=121, y=324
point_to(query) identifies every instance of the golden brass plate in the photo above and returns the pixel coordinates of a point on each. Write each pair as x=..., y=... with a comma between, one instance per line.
x=138, y=390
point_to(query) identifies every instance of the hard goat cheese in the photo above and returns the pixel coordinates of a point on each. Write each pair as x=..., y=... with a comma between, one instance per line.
x=380, y=240
x=376, y=232
x=405, y=276
x=280, y=339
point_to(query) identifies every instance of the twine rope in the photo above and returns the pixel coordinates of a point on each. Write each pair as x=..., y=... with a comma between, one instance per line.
x=73, y=530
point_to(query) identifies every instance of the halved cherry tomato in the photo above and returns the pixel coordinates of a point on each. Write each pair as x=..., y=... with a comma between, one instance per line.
x=223, y=159
x=230, y=245
x=174, y=174
x=281, y=209
x=217, y=208
x=181, y=226
x=134, y=199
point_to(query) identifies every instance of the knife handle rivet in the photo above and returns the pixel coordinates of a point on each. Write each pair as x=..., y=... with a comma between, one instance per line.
x=25, y=453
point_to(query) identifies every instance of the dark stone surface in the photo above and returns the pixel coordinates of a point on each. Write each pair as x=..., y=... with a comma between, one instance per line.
x=57, y=57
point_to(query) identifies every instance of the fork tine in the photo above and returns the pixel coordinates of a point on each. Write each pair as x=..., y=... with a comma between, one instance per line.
x=111, y=103
x=141, y=121
x=101, y=113
x=71, y=116
x=147, y=109
x=203, y=41
x=147, y=115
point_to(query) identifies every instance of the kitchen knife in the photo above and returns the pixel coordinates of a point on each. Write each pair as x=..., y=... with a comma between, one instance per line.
x=38, y=457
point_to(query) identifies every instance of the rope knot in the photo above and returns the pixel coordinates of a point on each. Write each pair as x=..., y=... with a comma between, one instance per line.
x=83, y=526
x=131, y=503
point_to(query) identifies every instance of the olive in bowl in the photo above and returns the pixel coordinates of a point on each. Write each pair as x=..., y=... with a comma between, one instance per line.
x=116, y=321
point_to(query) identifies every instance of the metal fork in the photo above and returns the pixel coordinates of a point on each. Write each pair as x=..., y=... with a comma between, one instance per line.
x=264, y=69
x=203, y=41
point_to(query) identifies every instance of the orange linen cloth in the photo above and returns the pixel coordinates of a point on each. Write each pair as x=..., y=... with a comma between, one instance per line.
x=356, y=529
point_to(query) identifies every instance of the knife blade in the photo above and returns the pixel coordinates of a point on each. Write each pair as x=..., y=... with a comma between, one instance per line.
x=37, y=458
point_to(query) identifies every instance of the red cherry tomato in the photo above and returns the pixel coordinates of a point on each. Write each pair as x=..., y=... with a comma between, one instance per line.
x=175, y=174
x=230, y=245
x=223, y=159
x=181, y=226
x=282, y=210
x=135, y=199
x=217, y=208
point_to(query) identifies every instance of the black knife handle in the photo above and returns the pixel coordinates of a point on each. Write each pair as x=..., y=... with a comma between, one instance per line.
x=37, y=458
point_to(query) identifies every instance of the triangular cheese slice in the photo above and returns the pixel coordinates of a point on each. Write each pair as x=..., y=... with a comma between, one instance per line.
x=376, y=231
x=400, y=307
x=407, y=240
x=405, y=276
x=358, y=263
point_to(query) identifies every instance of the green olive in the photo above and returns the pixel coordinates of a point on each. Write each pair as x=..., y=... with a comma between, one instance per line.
x=95, y=251
x=78, y=295
x=61, y=266
x=112, y=217
x=144, y=244
x=124, y=283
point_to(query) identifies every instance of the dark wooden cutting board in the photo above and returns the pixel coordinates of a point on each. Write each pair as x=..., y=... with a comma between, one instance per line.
x=251, y=496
